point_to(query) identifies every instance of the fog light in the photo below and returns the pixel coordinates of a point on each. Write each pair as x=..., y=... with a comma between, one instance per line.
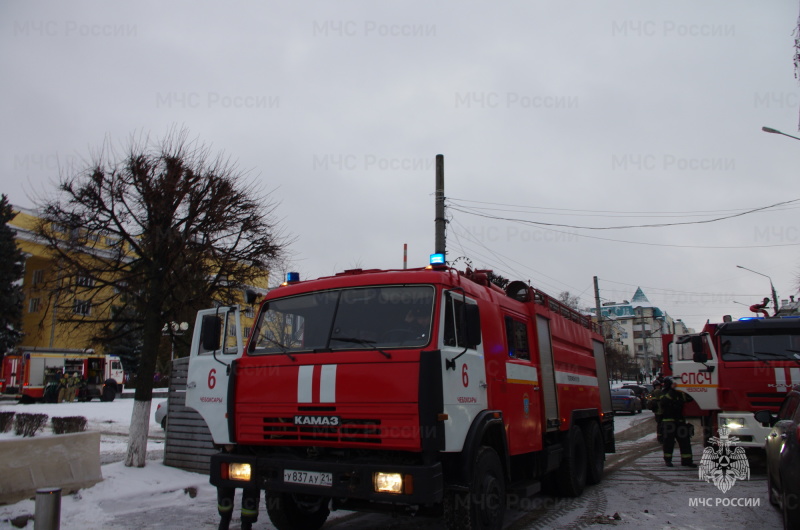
x=388, y=482
x=239, y=472
x=733, y=423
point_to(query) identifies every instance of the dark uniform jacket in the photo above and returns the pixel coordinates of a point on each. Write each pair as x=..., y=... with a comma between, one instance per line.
x=670, y=404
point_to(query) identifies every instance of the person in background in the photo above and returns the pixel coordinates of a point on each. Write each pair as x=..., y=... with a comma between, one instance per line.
x=72, y=386
x=654, y=406
x=63, y=385
x=674, y=425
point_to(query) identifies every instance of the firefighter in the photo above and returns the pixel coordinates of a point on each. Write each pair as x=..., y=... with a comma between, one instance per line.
x=674, y=425
x=654, y=406
x=63, y=386
x=250, y=500
x=72, y=386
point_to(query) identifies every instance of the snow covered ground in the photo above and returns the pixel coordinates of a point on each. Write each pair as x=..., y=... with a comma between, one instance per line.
x=642, y=492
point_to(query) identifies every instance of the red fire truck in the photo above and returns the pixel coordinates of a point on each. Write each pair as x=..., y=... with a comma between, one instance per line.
x=28, y=374
x=735, y=368
x=421, y=391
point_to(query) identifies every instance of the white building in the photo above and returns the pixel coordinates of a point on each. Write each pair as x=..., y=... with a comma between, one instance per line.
x=639, y=327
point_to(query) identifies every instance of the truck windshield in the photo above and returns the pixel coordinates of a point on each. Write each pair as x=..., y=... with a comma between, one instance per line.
x=772, y=347
x=364, y=318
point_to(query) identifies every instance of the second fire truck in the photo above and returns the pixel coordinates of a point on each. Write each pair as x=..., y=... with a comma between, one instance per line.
x=735, y=368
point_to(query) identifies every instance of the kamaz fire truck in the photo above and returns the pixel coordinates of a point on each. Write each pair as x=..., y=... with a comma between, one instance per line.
x=423, y=391
x=735, y=368
x=29, y=373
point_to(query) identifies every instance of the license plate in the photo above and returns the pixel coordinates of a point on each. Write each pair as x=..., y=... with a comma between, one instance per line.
x=315, y=478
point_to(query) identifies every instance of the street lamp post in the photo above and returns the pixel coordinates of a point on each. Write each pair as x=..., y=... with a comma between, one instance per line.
x=776, y=131
x=772, y=287
x=173, y=329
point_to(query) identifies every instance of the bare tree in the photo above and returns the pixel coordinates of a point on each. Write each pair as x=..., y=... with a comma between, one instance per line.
x=569, y=300
x=154, y=233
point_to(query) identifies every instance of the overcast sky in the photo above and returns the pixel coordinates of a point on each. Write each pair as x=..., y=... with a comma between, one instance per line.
x=587, y=114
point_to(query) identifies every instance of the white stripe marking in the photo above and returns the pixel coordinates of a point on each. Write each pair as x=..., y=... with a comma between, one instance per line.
x=327, y=384
x=305, y=374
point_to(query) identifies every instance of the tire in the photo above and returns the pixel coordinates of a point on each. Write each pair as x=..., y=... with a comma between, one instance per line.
x=297, y=512
x=484, y=507
x=596, y=452
x=164, y=423
x=571, y=474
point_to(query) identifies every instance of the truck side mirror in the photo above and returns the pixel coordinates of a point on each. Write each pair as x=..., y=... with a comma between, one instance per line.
x=210, y=332
x=699, y=354
x=765, y=417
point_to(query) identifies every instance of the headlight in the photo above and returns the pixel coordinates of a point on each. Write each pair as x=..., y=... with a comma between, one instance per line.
x=239, y=472
x=732, y=423
x=388, y=482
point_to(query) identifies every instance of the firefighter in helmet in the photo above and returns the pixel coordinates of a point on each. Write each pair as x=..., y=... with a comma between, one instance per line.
x=673, y=423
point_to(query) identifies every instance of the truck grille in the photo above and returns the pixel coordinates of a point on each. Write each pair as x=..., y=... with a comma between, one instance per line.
x=348, y=430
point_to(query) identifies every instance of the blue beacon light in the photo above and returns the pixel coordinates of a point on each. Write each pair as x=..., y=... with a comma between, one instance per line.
x=292, y=277
x=437, y=259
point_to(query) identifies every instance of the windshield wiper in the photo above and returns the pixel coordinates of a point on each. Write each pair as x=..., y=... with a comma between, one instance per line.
x=745, y=354
x=284, y=349
x=365, y=342
x=792, y=358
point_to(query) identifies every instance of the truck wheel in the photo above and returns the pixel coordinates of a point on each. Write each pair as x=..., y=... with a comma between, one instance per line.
x=596, y=452
x=484, y=507
x=571, y=475
x=297, y=512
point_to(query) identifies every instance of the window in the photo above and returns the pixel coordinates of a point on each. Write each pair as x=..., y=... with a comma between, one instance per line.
x=359, y=318
x=455, y=323
x=37, y=277
x=517, y=339
x=33, y=305
x=248, y=312
x=84, y=281
x=82, y=307
x=246, y=331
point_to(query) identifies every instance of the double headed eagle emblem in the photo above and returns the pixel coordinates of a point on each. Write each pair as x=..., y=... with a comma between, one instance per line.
x=725, y=465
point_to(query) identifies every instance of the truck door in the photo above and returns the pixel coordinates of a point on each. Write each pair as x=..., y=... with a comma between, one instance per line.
x=216, y=343
x=695, y=370
x=547, y=375
x=523, y=389
x=463, y=372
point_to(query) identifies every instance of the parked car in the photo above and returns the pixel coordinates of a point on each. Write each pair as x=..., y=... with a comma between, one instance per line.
x=625, y=400
x=161, y=413
x=640, y=391
x=782, y=447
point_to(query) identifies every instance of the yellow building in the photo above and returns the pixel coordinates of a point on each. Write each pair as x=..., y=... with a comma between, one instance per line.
x=41, y=322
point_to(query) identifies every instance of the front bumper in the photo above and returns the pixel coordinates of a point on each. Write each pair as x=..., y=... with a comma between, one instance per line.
x=744, y=427
x=350, y=480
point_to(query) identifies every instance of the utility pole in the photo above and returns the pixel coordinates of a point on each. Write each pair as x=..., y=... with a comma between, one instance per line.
x=597, y=306
x=439, y=246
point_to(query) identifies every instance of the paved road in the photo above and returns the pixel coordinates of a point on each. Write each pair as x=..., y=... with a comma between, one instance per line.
x=637, y=487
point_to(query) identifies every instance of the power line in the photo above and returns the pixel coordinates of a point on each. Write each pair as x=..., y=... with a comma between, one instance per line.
x=520, y=221
x=645, y=213
x=654, y=225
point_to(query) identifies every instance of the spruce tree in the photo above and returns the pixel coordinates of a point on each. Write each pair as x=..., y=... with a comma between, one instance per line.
x=12, y=267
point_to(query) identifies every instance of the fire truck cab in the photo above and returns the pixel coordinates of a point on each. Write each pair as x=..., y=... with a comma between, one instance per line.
x=420, y=391
x=733, y=369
